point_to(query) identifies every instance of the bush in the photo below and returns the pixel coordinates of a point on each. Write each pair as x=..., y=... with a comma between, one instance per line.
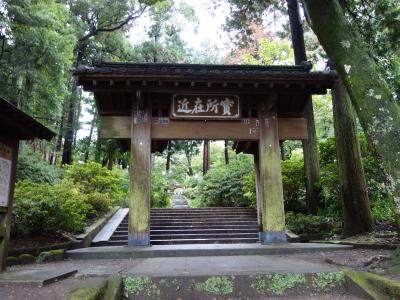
x=44, y=209
x=380, y=203
x=224, y=185
x=100, y=203
x=97, y=181
x=293, y=180
x=31, y=167
x=308, y=224
x=160, y=197
x=94, y=178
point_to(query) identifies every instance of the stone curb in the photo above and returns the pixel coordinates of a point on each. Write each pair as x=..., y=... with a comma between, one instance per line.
x=85, y=239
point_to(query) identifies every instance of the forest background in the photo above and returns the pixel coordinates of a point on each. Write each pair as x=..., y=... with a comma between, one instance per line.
x=42, y=41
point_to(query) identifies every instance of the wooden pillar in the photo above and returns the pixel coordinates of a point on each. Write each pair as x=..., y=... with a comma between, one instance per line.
x=206, y=156
x=140, y=173
x=259, y=199
x=273, y=214
x=9, y=155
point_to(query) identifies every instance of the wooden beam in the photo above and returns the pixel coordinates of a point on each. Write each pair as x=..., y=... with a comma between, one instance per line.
x=119, y=128
x=140, y=174
x=273, y=214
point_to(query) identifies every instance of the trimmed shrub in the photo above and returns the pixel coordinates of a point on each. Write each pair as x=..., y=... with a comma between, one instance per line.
x=31, y=167
x=224, y=185
x=160, y=197
x=44, y=209
x=94, y=178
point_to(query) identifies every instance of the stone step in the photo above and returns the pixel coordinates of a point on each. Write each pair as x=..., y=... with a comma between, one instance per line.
x=196, y=226
x=205, y=227
x=189, y=241
x=202, y=214
x=155, y=237
x=194, y=210
x=205, y=230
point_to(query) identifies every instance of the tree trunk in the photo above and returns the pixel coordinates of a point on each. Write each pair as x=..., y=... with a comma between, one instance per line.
x=206, y=156
x=226, y=153
x=189, y=160
x=87, y=151
x=61, y=128
x=76, y=121
x=356, y=208
x=169, y=155
x=376, y=104
x=69, y=134
x=310, y=146
x=112, y=147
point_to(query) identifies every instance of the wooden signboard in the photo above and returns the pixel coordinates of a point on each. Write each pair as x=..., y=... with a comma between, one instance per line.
x=5, y=174
x=205, y=107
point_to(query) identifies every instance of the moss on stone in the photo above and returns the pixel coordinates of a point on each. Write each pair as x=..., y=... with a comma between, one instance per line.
x=378, y=287
x=12, y=261
x=58, y=254
x=89, y=291
x=113, y=289
x=25, y=259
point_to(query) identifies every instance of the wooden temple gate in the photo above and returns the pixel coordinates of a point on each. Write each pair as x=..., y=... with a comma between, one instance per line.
x=145, y=105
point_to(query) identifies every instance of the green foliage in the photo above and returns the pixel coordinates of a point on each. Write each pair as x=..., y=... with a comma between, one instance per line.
x=271, y=52
x=95, y=179
x=140, y=285
x=324, y=282
x=277, y=283
x=100, y=203
x=216, y=285
x=223, y=185
x=160, y=197
x=293, y=186
x=44, y=209
x=308, y=224
x=377, y=193
x=25, y=259
x=31, y=167
x=293, y=179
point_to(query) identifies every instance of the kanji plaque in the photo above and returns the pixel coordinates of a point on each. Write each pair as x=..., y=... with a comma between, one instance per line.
x=205, y=106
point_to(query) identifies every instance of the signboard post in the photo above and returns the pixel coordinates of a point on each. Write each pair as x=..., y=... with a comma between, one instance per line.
x=205, y=107
x=7, y=169
x=5, y=174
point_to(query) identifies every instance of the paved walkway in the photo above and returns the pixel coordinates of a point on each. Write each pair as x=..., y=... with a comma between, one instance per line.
x=178, y=199
x=181, y=266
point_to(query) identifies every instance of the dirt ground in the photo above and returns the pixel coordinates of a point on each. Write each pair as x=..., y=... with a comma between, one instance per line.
x=93, y=270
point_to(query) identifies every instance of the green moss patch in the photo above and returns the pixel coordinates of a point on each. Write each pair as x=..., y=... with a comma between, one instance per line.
x=12, y=261
x=378, y=287
x=140, y=285
x=277, y=284
x=25, y=259
x=91, y=291
x=216, y=285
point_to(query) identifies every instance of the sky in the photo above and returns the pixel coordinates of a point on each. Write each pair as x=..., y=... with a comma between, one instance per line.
x=207, y=31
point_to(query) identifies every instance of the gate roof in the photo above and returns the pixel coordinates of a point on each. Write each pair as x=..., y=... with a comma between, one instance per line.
x=113, y=83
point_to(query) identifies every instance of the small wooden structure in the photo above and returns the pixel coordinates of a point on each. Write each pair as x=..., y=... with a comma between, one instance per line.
x=15, y=125
x=145, y=105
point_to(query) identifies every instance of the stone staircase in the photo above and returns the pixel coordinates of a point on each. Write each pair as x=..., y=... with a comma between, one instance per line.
x=195, y=226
